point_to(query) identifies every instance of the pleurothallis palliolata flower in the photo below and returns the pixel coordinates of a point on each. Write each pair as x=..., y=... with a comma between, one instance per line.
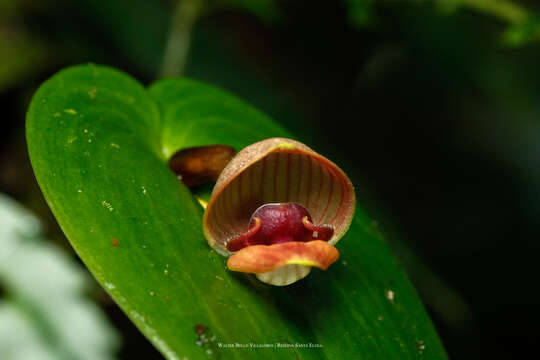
x=277, y=210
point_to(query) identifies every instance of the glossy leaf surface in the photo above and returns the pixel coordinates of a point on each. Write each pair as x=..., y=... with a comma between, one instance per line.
x=99, y=144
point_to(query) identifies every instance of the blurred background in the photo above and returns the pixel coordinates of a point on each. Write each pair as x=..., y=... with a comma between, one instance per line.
x=433, y=107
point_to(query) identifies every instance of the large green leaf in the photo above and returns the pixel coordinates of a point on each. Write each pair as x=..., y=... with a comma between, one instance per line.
x=99, y=144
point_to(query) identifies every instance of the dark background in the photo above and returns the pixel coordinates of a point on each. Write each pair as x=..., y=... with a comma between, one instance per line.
x=433, y=108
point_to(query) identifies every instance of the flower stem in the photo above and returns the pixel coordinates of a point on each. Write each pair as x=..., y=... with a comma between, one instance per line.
x=183, y=19
x=505, y=10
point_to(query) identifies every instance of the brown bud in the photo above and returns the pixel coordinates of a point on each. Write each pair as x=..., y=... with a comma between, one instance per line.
x=198, y=165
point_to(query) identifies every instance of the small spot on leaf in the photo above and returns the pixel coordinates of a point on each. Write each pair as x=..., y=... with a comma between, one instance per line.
x=92, y=93
x=200, y=329
x=420, y=346
x=107, y=205
x=205, y=339
x=109, y=286
x=390, y=295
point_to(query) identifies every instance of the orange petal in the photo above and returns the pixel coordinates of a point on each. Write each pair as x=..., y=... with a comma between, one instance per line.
x=263, y=258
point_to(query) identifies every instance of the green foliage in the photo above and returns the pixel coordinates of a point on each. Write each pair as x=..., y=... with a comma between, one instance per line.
x=8, y=7
x=523, y=33
x=524, y=25
x=45, y=314
x=99, y=144
x=20, y=57
x=138, y=29
x=266, y=10
x=360, y=12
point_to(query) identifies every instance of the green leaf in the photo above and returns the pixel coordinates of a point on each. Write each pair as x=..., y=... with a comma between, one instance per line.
x=99, y=144
x=21, y=57
x=523, y=32
x=45, y=314
x=360, y=12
